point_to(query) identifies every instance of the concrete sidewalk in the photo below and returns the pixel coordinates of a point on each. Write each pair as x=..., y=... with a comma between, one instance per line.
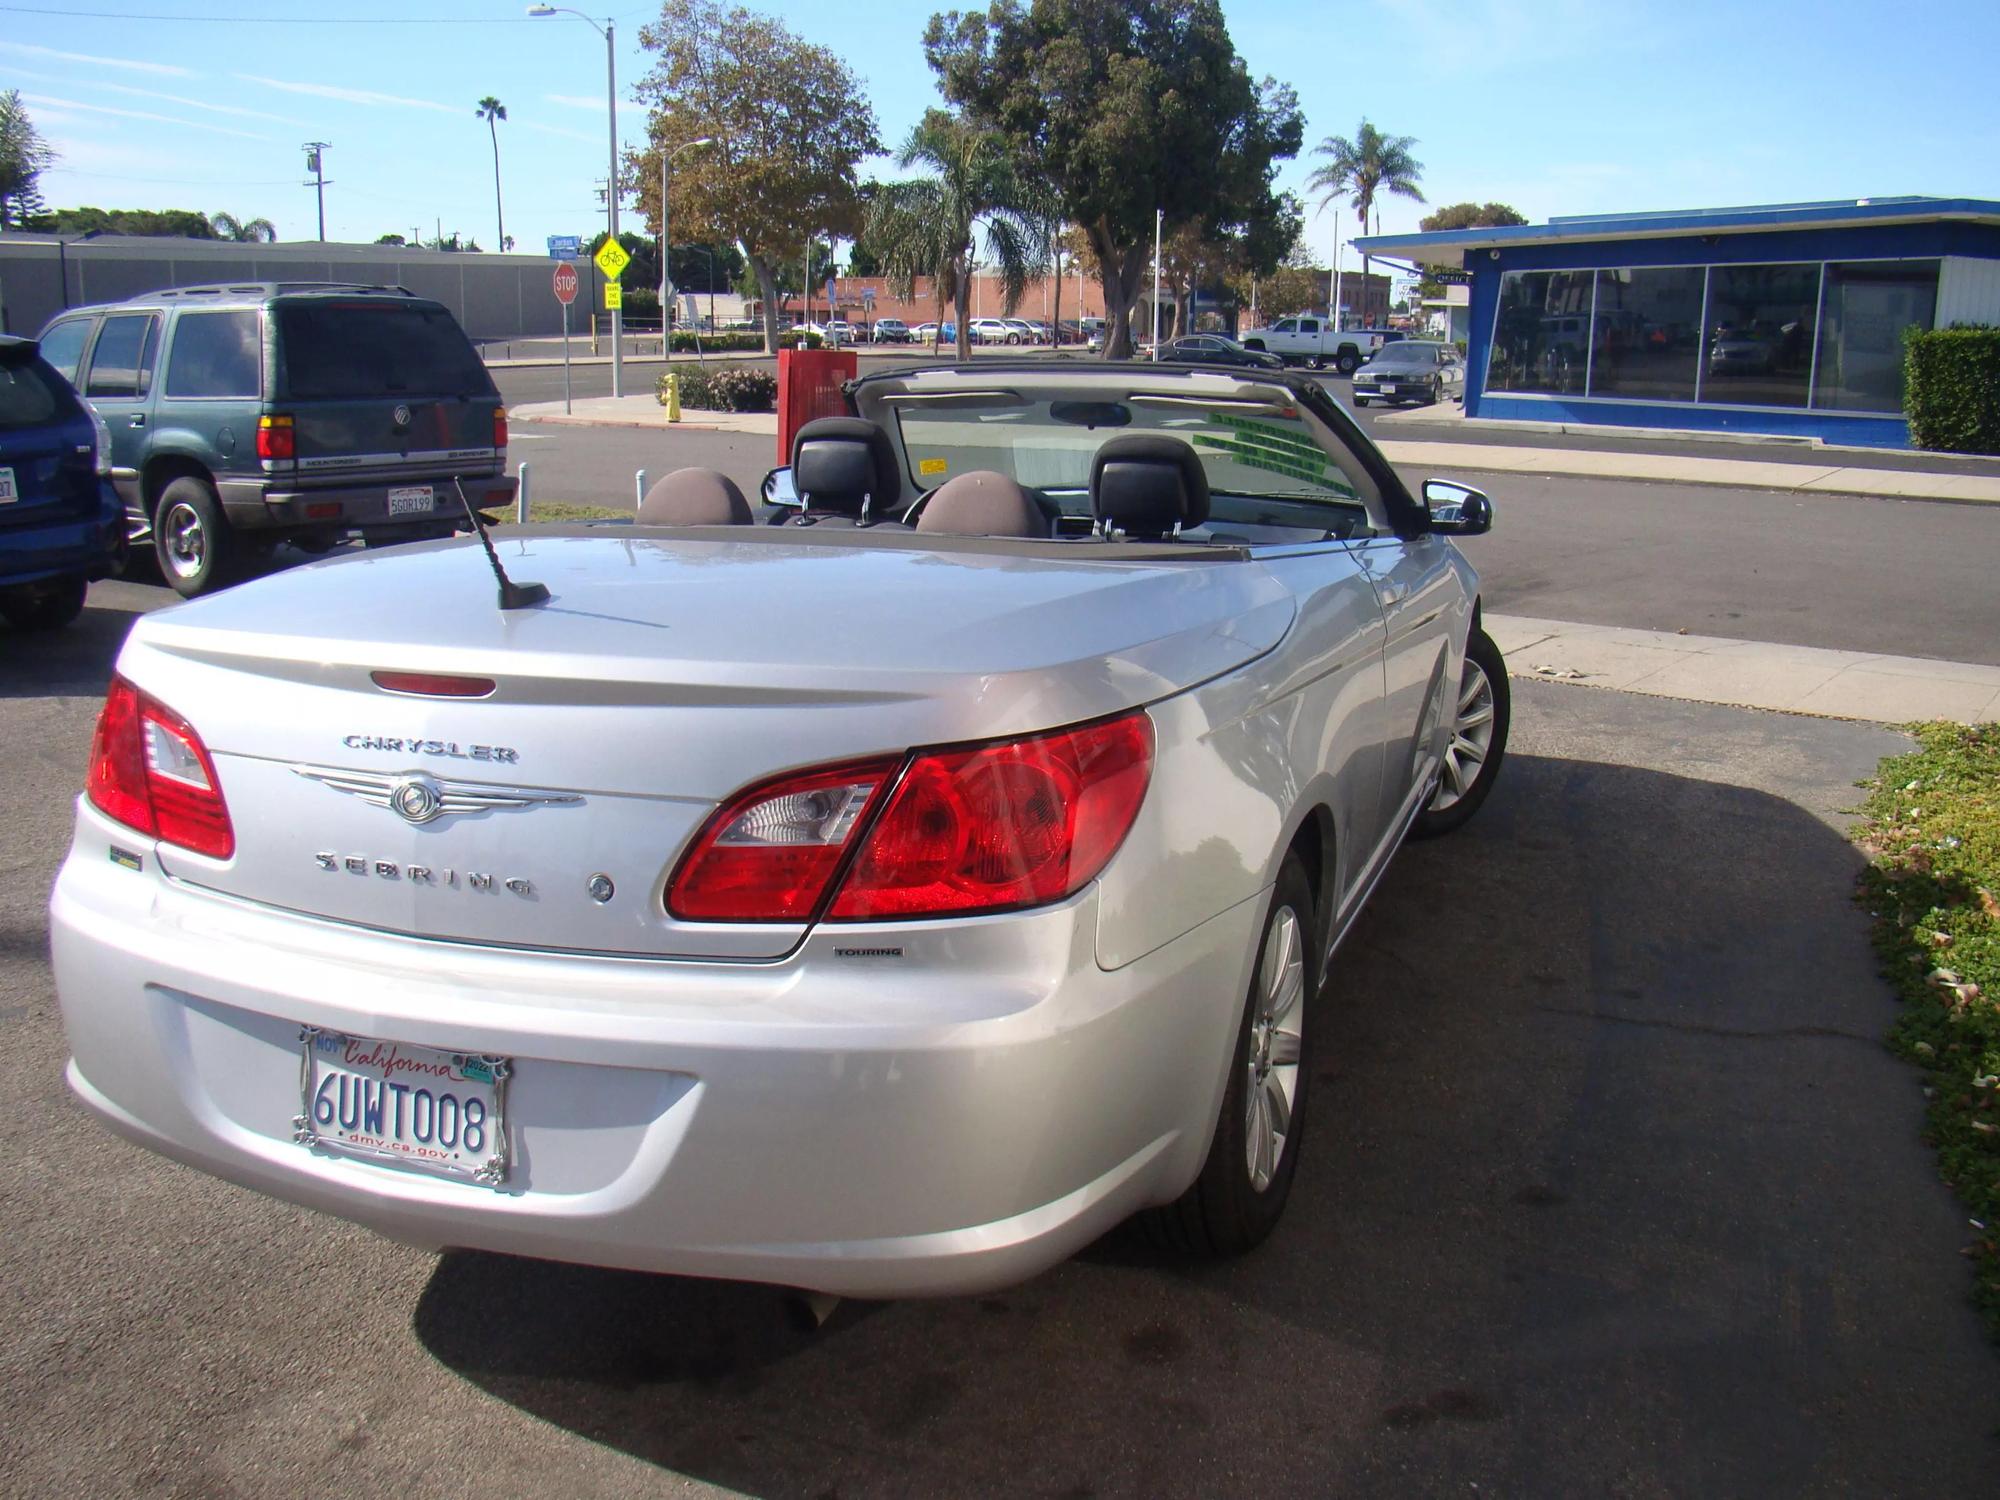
x=1431, y=457
x=1749, y=674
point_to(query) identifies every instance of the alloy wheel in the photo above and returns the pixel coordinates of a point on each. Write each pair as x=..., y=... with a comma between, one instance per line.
x=1272, y=1063
x=186, y=547
x=1471, y=737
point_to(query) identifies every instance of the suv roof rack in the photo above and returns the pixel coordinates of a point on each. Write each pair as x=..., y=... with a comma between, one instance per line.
x=269, y=289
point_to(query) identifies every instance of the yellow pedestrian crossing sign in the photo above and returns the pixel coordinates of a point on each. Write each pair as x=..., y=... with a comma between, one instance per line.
x=614, y=296
x=613, y=259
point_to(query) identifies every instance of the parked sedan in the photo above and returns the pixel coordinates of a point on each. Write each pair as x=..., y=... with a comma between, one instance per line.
x=1410, y=370
x=1023, y=785
x=1214, y=349
x=61, y=522
x=994, y=331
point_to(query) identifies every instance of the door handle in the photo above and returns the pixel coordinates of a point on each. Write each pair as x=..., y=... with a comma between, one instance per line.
x=138, y=419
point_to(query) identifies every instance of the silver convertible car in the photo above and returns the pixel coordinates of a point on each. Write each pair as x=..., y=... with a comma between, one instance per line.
x=886, y=893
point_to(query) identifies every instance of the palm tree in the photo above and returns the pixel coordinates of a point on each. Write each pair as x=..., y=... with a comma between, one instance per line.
x=1359, y=169
x=244, y=231
x=928, y=226
x=492, y=111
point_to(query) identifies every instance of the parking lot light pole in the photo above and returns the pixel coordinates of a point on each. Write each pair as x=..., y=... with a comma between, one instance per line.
x=609, y=31
x=666, y=244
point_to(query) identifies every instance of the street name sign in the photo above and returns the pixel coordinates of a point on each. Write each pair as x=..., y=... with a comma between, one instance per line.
x=612, y=261
x=565, y=246
x=565, y=283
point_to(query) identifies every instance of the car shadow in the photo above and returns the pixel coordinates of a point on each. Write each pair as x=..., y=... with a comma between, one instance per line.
x=76, y=659
x=1609, y=1186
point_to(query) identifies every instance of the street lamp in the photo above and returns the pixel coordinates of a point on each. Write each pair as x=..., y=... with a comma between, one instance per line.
x=666, y=244
x=609, y=32
x=62, y=259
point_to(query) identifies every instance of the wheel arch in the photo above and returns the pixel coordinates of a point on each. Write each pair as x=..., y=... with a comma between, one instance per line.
x=162, y=469
x=1314, y=840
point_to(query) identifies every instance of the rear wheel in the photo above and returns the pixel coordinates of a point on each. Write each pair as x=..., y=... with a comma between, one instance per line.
x=1241, y=1192
x=192, y=541
x=43, y=606
x=1478, y=740
x=1347, y=361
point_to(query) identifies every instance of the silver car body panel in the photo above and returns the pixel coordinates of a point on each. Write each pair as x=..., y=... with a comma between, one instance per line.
x=879, y=1108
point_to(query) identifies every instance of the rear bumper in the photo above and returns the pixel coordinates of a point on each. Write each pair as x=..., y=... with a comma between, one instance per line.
x=70, y=548
x=829, y=1121
x=254, y=504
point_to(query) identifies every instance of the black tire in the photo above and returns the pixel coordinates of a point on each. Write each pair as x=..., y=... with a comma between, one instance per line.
x=1483, y=656
x=1360, y=400
x=44, y=606
x=1225, y=1212
x=1347, y=361
x=1437, y=390
x=192, y=540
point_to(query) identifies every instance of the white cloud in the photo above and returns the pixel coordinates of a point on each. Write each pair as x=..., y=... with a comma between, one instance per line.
x=214, y=109
x=577, y=101
x=568, y=135
x=40, y=100
x=166, y=70
x=351, y=96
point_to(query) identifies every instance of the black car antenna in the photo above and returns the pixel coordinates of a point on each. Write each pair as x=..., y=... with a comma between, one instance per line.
x=512, y=595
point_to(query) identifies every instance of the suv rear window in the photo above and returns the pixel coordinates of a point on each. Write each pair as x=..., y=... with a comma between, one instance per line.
x=29, y=397
x=348, y=350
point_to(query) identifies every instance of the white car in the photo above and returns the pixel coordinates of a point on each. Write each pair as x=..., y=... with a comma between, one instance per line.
x=994, y=331
x=840, y=331
x=886, y=902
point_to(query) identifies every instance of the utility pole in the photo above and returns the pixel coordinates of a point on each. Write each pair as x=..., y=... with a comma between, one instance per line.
x=312, y=150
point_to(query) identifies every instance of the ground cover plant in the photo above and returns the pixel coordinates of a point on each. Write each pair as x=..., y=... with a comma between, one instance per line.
x=1931, y=830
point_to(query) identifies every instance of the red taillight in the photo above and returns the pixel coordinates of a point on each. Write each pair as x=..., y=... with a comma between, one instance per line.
x=989, y=828
x=432, y=684
x=151, y=772
x=277, y=438
x=499, y=426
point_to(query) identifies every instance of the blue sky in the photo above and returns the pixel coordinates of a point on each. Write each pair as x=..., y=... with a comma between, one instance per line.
x=1555, y=106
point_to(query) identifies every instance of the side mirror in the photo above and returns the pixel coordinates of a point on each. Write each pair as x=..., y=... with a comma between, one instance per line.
x=1457, y=509
x=778, y=489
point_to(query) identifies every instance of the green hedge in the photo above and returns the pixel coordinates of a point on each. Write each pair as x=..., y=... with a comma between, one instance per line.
x=1951, y=389
x=725, y=388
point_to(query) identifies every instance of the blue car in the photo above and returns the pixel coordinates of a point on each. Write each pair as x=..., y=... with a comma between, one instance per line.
x=61, y=523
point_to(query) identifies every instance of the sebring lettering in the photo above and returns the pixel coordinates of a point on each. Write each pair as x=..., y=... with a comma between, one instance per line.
x=389, y=869
x=449, y=749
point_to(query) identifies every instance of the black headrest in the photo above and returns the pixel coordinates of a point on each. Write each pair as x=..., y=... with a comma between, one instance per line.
x=837, y=462
x=1146, y=483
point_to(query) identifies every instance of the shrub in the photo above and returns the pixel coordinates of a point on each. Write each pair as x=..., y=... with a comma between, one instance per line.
x=1951, y=388
x=716, y=343
x=725, y=389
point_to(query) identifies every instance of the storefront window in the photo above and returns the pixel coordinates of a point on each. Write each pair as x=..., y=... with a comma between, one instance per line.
x=1760, y=334
x=1868, y=305
x=1646, y=338
x=1541, y=335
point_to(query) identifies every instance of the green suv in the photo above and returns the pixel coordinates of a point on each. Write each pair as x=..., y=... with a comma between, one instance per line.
x=250, y=414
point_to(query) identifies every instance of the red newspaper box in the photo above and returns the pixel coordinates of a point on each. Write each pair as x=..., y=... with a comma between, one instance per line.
x=809, y=382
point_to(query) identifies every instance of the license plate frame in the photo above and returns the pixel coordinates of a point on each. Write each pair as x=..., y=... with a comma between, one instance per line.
x=413, y=500
x=327, y=1056
x=10, y=491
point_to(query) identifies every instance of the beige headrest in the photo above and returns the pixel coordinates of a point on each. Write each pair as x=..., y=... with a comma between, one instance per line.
x=695, y=497
x=982, y=503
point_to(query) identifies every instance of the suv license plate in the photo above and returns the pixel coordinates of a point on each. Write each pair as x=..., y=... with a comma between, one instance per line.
x=8, y=493
x=416, y=1107
x=412, y=500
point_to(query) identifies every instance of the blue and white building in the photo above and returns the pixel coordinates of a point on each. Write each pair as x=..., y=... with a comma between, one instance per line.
x=1785, y=318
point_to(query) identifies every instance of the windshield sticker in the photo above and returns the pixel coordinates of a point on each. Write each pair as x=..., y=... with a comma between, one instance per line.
x=1277, y=450
x=926, y=467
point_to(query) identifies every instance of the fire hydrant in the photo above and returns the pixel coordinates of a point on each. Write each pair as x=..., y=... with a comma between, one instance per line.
x=673, y=396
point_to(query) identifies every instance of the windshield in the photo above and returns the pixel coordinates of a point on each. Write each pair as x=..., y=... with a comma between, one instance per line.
x=348, y=350
x=1252, y=450
x=1405, y=354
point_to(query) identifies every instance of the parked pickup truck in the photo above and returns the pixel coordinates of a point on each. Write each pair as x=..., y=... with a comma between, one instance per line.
x=1314, y=341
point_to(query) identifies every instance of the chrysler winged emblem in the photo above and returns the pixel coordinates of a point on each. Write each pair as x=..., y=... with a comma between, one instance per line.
x=418, y=798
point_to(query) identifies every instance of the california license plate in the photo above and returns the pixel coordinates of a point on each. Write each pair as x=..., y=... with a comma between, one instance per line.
x=414, y=1107
x=412, y=500
x=8, y=493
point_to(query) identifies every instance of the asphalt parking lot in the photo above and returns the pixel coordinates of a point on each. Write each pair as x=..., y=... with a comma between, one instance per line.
x=1609, y=1188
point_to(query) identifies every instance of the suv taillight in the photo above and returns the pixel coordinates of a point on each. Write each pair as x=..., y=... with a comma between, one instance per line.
x=150, y=771
x=979, y=829
x=277, y=438
x=499, y=426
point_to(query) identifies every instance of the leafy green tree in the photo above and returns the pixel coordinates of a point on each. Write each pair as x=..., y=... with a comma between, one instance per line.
x=790, y=125
x=932, y=225
x=1124, y=107
x=244, y=231
x=705, y=268
x=171, y=223
x=1359, y=169
x=492, y=111
x=24, y=156
x=786, y=280
x=1463, y=216
x=391, y=239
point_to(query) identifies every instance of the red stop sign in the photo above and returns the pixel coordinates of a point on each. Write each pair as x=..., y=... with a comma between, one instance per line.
x=565, y=283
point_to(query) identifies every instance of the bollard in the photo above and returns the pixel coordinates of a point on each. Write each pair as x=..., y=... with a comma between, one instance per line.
x=673, y=395
x=639, y=488
x=521, y=498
